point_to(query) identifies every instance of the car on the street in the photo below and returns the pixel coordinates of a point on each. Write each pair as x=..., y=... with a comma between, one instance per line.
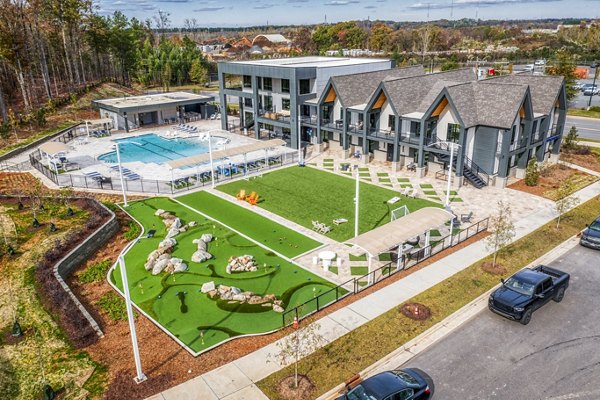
x=587, y=86
x=591, y=91
x=595, y=64
x=527, y=290
x=528, y=68
x=398, y=384
x=539, y=62
x=590, y=237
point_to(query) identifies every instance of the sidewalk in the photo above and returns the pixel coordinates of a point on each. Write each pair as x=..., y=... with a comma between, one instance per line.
x=235, y=381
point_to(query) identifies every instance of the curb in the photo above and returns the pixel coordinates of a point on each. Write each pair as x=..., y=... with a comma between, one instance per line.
x=406, y=352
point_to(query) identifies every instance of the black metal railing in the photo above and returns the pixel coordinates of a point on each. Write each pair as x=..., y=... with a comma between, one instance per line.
x=191, y=182
x=358, y=284
x=474, y=168
x=317, y=303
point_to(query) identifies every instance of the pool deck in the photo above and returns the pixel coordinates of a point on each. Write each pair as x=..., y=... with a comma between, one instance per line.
x=85, y=150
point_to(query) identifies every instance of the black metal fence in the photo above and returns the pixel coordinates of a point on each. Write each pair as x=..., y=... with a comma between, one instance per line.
x=193, y=181
x=358, y=284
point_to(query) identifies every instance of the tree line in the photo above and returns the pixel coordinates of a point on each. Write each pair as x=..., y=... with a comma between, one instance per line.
x=52, y=48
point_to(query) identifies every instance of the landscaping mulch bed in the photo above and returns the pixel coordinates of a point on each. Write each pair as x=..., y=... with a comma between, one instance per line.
x=490, y=268
x=416, y=311
x=550, y=180
x=589, y=161
x=289, y=392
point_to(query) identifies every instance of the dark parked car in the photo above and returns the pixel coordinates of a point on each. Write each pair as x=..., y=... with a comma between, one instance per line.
x=595, y=64
x=590, y=237
x=527, y=290
x=399, y=384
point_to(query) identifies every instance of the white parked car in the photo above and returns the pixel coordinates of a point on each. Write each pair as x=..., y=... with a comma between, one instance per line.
x=539, y=62
x=528, y=67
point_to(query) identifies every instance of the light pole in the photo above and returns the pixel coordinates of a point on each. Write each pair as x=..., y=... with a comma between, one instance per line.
x=136, y=352
x=593, y=87
x=121, y=174
x=300, y=160
x=210, y=157
x=357, y=192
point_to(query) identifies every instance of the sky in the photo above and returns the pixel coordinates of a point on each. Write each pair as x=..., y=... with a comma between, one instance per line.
x=234, y=13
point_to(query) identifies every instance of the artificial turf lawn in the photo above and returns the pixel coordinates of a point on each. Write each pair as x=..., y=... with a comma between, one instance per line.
x=191, y=312
x=303, y=195
x=269, y=233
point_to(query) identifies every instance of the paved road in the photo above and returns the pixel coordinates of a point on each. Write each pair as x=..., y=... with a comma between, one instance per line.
x=587, y=128
x=555, y=357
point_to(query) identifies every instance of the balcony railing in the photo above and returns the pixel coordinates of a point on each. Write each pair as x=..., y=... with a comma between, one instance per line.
x=382, y=133
x=309, y=119
x=275, y=116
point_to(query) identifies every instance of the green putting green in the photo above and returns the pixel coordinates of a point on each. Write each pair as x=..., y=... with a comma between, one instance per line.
x=277, y=237
x=174, y=300
x=303, y=195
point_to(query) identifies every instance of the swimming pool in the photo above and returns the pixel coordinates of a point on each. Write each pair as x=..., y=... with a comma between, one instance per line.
x=151, y=148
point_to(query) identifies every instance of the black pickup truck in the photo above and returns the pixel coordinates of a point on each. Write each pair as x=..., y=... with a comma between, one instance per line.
x=527, y=290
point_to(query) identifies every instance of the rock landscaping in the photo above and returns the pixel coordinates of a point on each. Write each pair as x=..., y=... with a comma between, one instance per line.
x=234, y=294
x=244, y=263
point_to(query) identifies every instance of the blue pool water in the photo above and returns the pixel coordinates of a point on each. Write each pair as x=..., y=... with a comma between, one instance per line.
x=151, y=148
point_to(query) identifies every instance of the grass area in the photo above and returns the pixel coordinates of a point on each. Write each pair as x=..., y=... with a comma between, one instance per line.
x=333, y=270
x=114, y=306
x=452, y=192
x=382, y=174
x=370, y=342
x=359, y=271
x=277, y=237
x=303, y=195
x=430, y=192
x=426, y=186
x=406, y=185
x=385, y=257
x=362, y=257
x=403, y=179
x=175, y=300
x=363, y=169
x=436, y=198
x=456, y=200
x=384, y=180
x=44, y=346
x=584, y=113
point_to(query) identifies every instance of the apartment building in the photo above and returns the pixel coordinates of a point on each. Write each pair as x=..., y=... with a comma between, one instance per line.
x=270, y=94
x=495, y=125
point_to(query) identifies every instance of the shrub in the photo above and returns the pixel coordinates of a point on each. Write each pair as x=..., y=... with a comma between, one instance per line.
x=582, y=150
x=132, y=232
x=95, y=272
x=570, y=141
x=114, y=306
x=532, y=174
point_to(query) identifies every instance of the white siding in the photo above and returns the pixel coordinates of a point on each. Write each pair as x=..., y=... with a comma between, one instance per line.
x=446, y=117
x=386, y=111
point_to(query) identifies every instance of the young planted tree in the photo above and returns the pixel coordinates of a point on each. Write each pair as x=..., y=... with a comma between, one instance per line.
x=532, y=173
x=502, y=230
x=303, y=342
x=571, y=139
x=564, y=200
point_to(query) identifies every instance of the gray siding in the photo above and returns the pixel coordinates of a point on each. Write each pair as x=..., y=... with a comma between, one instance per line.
x=484, y=148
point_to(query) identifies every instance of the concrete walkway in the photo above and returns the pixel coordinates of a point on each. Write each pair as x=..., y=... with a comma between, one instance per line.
x=236, y=379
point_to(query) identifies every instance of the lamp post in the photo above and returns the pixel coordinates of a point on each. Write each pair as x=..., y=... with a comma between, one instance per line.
x=121, y=174
x=300, y=160
x=593, y=87
x=140, y=377
x=357, y=192
x=210, y=157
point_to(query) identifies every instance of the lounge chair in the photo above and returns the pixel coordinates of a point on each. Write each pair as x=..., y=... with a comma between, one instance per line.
x=241, y=195
x=413, y=193
x=466, y=217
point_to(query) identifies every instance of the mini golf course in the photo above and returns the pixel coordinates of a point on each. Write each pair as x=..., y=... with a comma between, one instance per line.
x=175, y=301
x=303, y=195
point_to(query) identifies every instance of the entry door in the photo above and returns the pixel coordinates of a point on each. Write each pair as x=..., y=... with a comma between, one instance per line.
x=390, y=152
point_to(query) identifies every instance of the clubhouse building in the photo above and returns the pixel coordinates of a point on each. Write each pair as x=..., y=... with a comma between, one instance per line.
x=407, y=118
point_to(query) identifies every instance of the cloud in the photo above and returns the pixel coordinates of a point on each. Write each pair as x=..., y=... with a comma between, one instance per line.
x=263, y=6
x=297, y=1
x=208, y=9
x=173, y=1
x=370, y=7
x=474, y=3
x=341, y=2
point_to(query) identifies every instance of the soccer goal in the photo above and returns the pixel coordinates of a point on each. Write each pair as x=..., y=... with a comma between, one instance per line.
x=399, y=212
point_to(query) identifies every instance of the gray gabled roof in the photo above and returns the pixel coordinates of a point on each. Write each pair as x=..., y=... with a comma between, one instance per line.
x=544, y=89
x=415, y=94
x=490, y=104
x=358, y=88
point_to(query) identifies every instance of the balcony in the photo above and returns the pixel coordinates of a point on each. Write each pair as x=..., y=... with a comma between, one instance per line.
x=382, y=133
x=337, y=124
x=281, y=116
x=309, y=119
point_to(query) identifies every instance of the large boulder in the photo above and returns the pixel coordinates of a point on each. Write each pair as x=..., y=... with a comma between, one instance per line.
x=176, y=223
x=191, y=224
x=159, y=266
x=201, y=256
x=207, y=237
x=159, y=212
x=235, y=290
x=208, y=287
x=169, y=242
x=277, y=308
x=173, y=231
x=239, y=297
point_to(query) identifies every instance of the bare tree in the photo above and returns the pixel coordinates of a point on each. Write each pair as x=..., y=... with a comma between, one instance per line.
x=502, y=230
x=301, y=343
x=564, y=200
x=162, y=20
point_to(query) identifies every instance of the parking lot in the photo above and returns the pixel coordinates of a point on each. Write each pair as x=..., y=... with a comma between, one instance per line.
x=555, y=357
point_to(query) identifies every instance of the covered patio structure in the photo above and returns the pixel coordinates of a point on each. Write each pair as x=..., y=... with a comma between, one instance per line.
x=399, y=233
x=220, y=155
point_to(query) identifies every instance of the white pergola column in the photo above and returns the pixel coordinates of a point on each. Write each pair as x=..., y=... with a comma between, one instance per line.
x=400, y=254
x=370, y=264
x=427, y=238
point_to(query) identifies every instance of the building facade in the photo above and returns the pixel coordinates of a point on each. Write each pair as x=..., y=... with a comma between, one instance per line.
x=270, y=94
